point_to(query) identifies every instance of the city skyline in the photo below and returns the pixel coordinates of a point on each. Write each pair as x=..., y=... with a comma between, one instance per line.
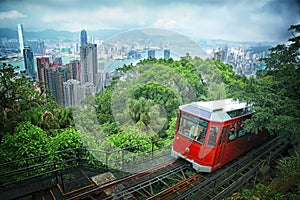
x=256, y=20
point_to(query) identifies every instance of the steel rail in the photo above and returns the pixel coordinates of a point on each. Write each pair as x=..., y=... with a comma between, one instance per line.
x=99, y=189
x=150, y=181
x=251, y=161
x=179, y=187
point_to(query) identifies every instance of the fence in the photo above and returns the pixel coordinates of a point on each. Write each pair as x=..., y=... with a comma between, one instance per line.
x=51, y=169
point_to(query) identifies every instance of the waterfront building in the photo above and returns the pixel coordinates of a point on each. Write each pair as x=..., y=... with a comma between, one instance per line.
x=38, y=47
x=21, y=37
x=166, y=54
x=10, y=43
x=83, y=37
x=29, y=62
x=34, y=45
x=151, y=53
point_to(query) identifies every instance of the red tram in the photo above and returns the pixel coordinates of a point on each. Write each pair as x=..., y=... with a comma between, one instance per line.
x=211, y=134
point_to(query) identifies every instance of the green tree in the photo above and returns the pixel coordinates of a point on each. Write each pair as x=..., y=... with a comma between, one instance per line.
x=132, y=136
x=16, y=95
x=23, y=100
x=139, y=110
x=275, y=93
x=28, y=141
x=160, y=94
x=103, y=106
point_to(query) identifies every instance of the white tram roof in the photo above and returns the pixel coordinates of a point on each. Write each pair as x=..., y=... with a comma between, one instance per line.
x=218, y=110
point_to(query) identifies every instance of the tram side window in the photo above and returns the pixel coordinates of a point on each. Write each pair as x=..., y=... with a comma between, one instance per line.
x=223, y=136
x=213, y=136
x=242, y=129
x=233, y=131
x=237, y=130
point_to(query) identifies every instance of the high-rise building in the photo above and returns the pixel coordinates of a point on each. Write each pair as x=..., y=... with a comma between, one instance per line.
x=151, y=53
x=34, y=45
x=166, y=54
x=42, y=63
x=220, y=55
x=88, y=89
x=38, y=47
x=29, y=63
x=74, y=66
x=83, y=37
x=88, y=64
x=58, y=60
x=72, y=93
x=42, y=48
x=21, y=37
x=54, y=78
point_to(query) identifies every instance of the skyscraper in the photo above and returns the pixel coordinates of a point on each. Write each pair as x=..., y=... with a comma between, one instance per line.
x=88, y=64
x=29, y=63
x=72, y=93
x=42, y=64
x=75, y=67
x=83, y=37
x=21, y=37
x=151, y=53
x=166, y=54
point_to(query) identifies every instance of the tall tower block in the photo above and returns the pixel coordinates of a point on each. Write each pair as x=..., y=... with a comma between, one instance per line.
x=21, y=37
x=88, y=64
x=83, y=37
x=29, y=63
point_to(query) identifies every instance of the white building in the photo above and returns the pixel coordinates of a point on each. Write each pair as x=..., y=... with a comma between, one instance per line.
x=72, y=93
x=21, y=37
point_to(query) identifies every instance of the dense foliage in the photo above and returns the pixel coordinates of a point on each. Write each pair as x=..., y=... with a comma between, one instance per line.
x=23, y=100
x=148, y=94
x=284, y=186
x=275, y=92
x=27, y=141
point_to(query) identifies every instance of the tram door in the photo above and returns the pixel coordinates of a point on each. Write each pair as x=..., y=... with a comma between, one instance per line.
x=221, y=147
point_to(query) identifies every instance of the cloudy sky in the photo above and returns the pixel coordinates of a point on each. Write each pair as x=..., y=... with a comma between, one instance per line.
x=238, y=20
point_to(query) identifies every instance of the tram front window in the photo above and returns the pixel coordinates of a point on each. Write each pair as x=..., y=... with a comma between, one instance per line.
x=192, y=127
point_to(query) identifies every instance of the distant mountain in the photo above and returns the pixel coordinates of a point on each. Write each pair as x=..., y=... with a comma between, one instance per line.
x=223, y=43
x=104, y=34
x=49, y=34
x=8, y=33
x=156, y=38
x=54, y=34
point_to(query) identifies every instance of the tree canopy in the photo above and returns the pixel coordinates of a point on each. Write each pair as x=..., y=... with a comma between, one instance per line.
x=275, y=92
x=24, y=100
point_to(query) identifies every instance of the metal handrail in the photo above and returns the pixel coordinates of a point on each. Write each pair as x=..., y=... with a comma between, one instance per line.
x=32, y=170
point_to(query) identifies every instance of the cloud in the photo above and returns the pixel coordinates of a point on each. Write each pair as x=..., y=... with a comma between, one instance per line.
x=255, y=20
x=13, y=14
x=96, y=19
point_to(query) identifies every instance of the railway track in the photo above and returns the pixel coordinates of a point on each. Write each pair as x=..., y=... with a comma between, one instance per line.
x=177, y=180
x=173, y=179
x=228, y=179
x=98, y=191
